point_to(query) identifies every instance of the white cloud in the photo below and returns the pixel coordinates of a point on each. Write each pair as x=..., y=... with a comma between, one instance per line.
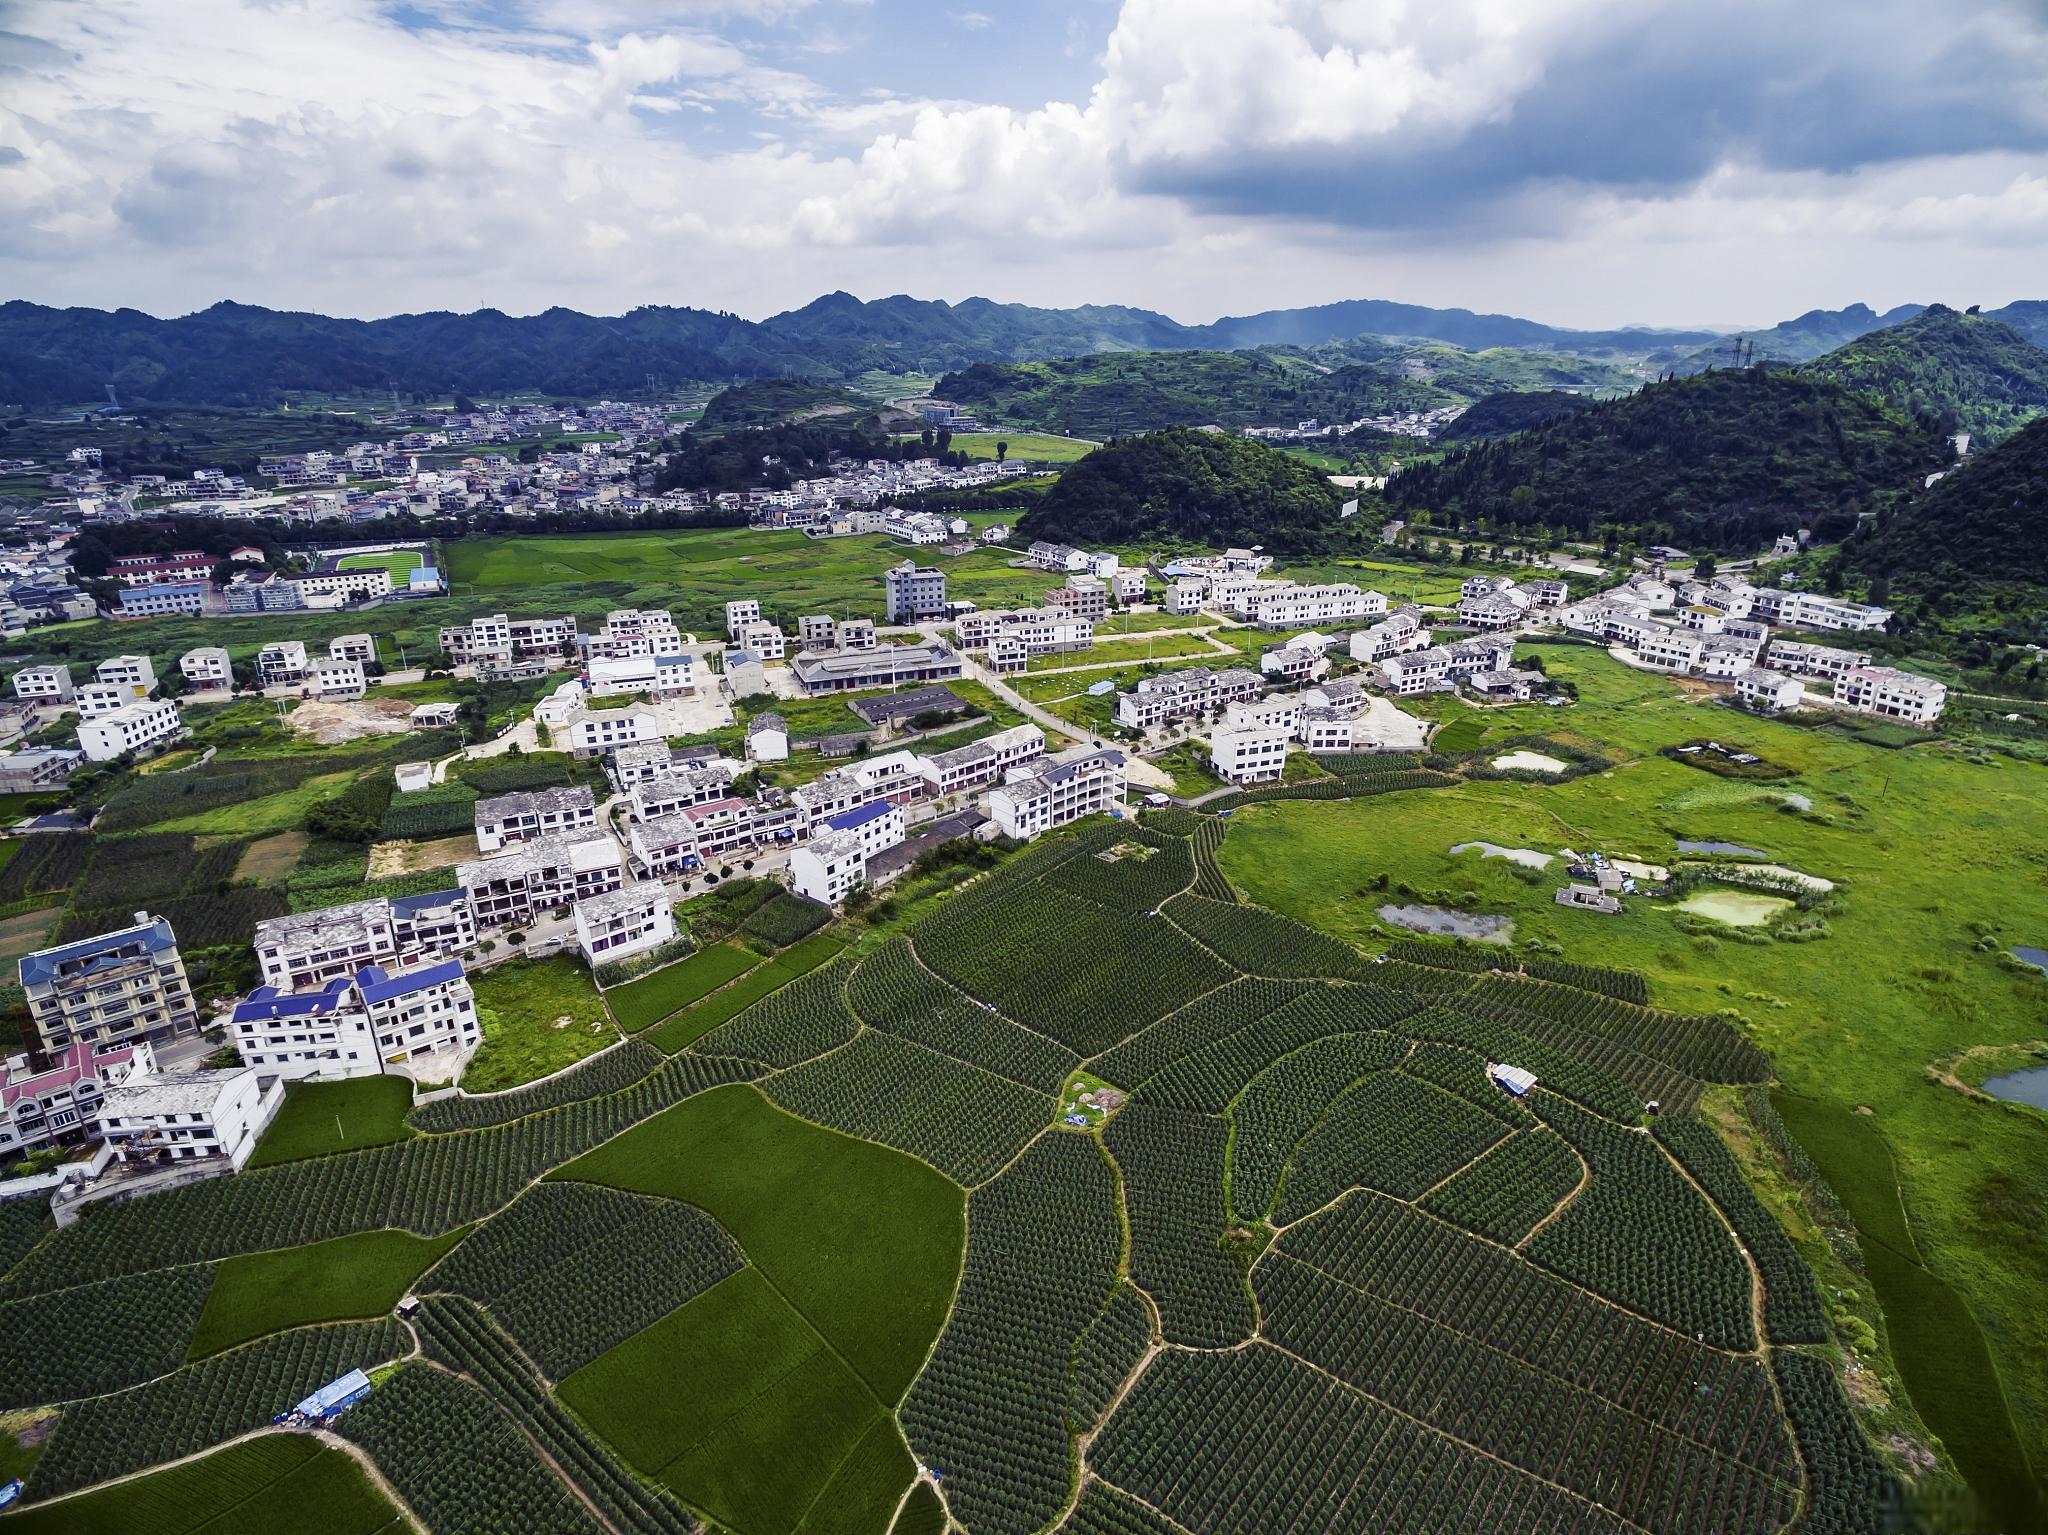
x=1588, y=160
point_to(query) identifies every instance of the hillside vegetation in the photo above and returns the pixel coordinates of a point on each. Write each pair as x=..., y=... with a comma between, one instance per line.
x=1724, y=460
x=1202, y=487
x=1986, y=522
x=776, y=401
x=1504, y=414
x=1960, y=372
x=1127, y=392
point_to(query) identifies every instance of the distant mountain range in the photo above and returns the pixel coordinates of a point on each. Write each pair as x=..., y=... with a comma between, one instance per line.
x=240, y=354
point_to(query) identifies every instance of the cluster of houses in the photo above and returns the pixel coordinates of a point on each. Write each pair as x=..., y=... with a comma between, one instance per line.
x=1723, y=630
x=118, y=713
x=182, y=584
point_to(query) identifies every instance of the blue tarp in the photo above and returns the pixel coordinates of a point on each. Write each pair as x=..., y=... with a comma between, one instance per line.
x=336, y=1394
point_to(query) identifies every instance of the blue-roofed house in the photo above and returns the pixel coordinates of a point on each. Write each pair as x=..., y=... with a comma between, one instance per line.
x=357, y=1025
x=120, y=986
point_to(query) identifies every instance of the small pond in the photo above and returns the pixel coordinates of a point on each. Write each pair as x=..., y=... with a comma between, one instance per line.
x=1445, y=923
x=1735, y=908
x=1527, y=857
x=2029, y=1086
x=2038, y=958
x=1530, y=762
x=1731, y=849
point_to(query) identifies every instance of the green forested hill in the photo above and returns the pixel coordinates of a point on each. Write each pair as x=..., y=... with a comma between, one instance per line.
x=774, y=401
x=1124, y=392
x=1190, y=485
x=1724, y=460
x=1984, y=522
x=1511, y=411
x=1962, y=372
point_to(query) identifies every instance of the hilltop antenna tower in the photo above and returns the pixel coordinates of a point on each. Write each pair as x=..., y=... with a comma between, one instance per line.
x=112, y=398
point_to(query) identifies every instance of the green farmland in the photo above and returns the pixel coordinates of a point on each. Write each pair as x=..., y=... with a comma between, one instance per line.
x=358, y=1276
x=400, y=562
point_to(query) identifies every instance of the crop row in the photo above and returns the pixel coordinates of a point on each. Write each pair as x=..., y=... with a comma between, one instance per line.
x=1284, y=1101
x=1849, y=1488
x=798, y=1022
x=23, y=1223
x=459, y=1335
x=430, y=1185
x=1105, y=1510
x=1257, y=942
x=1087, y=976
x=1206, y=840
x=786, y=918
x=1793, y=1312
x=1209, y=1078
x=1506, y=1192
x=1623, y=985
x=964, y=1121
x=1390, y=1133
x=1462, y=1074
x=1105, y=1354
x=1469, y=959
x=1129, y=876
x=1255, y=1440
x=1699, y=1046
x=458, y=1461
x=1386, y=1249
x=1203, y=1021
x=1653, y=1477
x=98, y=1337
x=205, y=1403
x=891, y=991
x=443, y=810
x=609, y=1071
x=570, y=1269
x=1648, y=1079
x=50, y=863
x=1173, y=1165
x=1642, y=1236
x=989, y=1413
x=1558, y=1069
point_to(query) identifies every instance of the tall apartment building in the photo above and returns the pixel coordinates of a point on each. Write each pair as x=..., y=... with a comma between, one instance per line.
x=914, y=592
x=125, y=985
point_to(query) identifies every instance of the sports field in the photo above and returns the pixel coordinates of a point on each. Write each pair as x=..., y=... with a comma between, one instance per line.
x=398, y=561
x=1024, y=447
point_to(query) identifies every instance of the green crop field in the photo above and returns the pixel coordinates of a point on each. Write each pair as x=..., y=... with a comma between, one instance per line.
x=756, y=1460
x=321, y=1118
x=651, y=998
x=1025, y=447
x=860, y=1239
x=349, y=1277
x=277, y=1482
x=521, y=1005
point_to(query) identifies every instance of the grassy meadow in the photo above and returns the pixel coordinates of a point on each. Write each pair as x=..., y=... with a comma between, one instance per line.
x=1941, y=863
x=521, y=1004
x=338, y=1280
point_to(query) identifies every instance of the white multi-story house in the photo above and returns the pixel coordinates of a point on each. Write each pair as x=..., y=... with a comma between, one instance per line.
x=828, y=868
x=767, y=738
x=740, y=612
x=635, y=632
x=1325, y=728
x=207, y=668
x=356, y=1025
x=112, y=989
x=913, y=591
x=137, y=727
x=1823, y=661
x=1184, y=694
x=526, y=814
x=1301, y=659
x=310, y=948
x=188, y=1116
x=1249, y=754
x=593, y=732
x=983, y=761
x=679, y=789
x=765, y=640
x=535, y=877
x=495, y=640
x=637, y=764
x=281, y=663
x=1037, y=799
x=1056, y=557
x=1394, y=635
x=1083, y=597
x=137, y=672
x=1276, y=711
x=360, y=648
x=1893, y=694
x=1416, y=671
x=95, y=699
x=1492, y=610
x=44, y=684
x=665, y=844
x=337, y=680
x=1768, y=689
x=1668, y=649
x=629, y=920
x=1187, y=594
x=664, y=676
x=1292, y=607
x=1039, y=631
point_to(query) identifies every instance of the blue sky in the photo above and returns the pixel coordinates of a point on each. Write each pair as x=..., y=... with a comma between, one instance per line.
x=1588, y=162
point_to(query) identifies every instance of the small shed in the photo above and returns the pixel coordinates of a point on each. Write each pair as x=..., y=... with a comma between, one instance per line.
x=336, y=1397
x=1515, y=1079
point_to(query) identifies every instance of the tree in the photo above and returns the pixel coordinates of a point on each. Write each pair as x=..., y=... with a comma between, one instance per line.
x=1704, y=570
x=1002, y=451
x=90, y=557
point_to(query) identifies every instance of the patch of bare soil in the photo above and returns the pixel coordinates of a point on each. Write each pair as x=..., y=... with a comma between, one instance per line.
x=392, y=858
x=337, y=722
